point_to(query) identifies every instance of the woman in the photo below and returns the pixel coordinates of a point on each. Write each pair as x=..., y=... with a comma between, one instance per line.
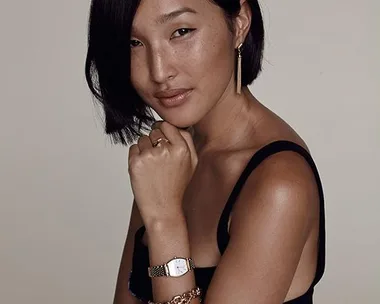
x=222, y=184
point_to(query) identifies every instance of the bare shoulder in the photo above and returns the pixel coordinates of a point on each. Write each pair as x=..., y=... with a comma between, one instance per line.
x=284, y=173
x=272, y=220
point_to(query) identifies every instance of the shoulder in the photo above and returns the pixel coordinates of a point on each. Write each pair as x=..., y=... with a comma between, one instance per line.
x=271, y=222
x=283, y=169
x=283, y=186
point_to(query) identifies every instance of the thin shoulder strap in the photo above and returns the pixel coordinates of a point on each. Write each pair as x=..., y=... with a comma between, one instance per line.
x=257, y=158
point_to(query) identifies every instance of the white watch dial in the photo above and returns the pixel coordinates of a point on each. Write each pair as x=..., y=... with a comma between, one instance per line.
x=177, y=267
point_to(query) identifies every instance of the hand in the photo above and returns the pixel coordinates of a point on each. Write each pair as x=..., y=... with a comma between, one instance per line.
x=160, y=175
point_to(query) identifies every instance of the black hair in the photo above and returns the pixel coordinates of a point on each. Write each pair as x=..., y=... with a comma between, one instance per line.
x=108, y=70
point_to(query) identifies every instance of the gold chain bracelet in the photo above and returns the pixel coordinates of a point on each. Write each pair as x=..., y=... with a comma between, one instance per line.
x=184, y=298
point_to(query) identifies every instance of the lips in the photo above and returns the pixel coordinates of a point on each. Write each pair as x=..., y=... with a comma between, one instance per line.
x=173, y=98
x=170, y=93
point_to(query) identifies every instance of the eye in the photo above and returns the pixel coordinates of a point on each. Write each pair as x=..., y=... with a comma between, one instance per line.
x=183, y=32
x=134, y=43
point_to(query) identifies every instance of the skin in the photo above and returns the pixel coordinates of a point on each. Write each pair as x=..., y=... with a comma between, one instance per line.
x=181, y=213
x=202, y=59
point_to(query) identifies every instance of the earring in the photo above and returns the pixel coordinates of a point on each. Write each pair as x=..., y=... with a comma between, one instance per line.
x=238, y=80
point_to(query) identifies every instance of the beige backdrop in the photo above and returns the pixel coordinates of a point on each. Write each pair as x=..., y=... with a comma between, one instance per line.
x=65, y=196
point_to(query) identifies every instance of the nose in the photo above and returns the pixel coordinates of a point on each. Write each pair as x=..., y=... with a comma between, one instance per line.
x=161, y=66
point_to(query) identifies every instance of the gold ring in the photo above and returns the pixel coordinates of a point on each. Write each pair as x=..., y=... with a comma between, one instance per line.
x=158, y=141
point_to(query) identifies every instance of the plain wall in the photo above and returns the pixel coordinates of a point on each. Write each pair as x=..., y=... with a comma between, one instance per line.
x=65, y=196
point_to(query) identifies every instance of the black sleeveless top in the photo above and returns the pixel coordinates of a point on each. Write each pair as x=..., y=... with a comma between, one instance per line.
x=140, y=284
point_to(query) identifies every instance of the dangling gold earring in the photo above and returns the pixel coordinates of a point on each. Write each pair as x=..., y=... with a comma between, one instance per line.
x=238, y=80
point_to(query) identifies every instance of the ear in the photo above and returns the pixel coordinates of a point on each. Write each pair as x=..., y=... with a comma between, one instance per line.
x=242, y=23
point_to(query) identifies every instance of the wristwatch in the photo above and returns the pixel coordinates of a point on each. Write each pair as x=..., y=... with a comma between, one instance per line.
x=176, y=267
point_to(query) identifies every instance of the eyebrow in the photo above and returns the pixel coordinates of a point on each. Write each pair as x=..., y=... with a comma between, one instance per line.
x=170, y=16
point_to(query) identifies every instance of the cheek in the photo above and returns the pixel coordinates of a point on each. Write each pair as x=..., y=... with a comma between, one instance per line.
x=211, y=55
x=211, y=63
x=137, y=73
x=140, y=78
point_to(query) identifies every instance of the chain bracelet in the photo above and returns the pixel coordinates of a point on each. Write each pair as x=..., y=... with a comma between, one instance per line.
x=185, y=298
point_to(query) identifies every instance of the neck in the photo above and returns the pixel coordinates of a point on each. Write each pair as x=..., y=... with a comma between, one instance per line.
x=230, y=121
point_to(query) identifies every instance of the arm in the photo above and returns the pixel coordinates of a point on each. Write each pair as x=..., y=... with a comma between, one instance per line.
x=166, y=239
x=122, y=294
x=268, y=231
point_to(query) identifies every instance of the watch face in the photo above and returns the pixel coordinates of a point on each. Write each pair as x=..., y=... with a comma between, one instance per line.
x=177, y=267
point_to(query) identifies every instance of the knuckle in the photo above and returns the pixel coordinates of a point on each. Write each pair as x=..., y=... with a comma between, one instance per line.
x=187, y=135
x=181, y=150
x=155, y=131
x=133, y=164
x=142, y=139
x=132, y=147
x=137, y=162
x=165, y=125
x=157, y=124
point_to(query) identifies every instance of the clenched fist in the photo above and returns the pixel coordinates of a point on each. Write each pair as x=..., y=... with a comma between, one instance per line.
x=161, y=166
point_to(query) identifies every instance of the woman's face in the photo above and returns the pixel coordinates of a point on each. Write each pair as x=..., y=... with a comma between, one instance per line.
x=192, y=50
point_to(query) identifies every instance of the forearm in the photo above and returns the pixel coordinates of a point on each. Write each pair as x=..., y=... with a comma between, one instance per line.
x=167, y=239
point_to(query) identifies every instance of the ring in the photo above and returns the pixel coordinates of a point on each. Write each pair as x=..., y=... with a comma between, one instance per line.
x=158, y=141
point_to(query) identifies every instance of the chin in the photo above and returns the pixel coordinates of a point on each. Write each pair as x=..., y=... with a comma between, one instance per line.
x=181, y=124
x=180, y=121
x=183, y=116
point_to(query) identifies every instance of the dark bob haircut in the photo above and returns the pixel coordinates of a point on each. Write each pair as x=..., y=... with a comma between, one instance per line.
x=108, y=62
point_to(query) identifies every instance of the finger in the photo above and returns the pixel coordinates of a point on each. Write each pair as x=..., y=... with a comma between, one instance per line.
x=157, y=134
x=190, y=143
x=144, y=143
x=133, y=151
x=157, y=124
x=172, y=133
